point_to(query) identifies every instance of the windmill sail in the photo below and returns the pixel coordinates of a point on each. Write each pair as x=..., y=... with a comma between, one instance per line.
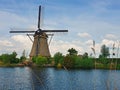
x=39, y=17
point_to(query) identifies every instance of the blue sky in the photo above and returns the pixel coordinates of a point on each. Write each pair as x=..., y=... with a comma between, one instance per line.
x=86, y=20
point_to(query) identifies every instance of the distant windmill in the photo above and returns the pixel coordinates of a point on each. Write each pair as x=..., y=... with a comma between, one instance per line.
x=40, y=43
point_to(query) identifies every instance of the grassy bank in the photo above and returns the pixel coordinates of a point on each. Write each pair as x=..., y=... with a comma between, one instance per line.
x=76, y=62
x=69, y=62
x=10, y=65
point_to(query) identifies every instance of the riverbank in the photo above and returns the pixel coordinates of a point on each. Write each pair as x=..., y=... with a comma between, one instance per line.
x=108, y=67
x=12, y=65
x=24, y=65
x=97, y=66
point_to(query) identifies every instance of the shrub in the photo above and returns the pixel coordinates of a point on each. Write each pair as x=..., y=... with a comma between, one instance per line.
x=40, y=61
x=58, y=58
x=118, y=66
x=34, y=59
x=77, y=62
x=68, y=62
x=22, y=58
x=87, y=63
x=59, y=65
x=5, y=58
x=104, y=60
x=74, y=61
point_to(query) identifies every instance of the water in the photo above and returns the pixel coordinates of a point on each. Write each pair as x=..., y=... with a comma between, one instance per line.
x=26, y=78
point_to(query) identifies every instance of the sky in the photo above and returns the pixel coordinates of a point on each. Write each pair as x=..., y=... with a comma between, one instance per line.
x=85, y=20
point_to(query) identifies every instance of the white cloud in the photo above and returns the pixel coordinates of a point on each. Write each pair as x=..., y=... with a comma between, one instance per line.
x=107, y=42
x=62, y=46
x=6, y=43
x=89, y=42
x=84, y=35
x=20, y=38
x=111, y=36
x=21, y=42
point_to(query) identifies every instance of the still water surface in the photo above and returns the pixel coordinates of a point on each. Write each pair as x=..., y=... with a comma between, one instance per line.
x=26, y=78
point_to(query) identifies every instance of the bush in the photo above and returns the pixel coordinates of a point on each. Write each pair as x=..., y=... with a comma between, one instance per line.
x=34, y=59
x=59, y=65
x=87, y=63
x=77, y=62
x=104, y=60
x=5, y=58
x=9, y=58
x=118, y=66
x=74, y=61
x=68, y=62
x=22, y=58
x=40, y=61
x=58, y=58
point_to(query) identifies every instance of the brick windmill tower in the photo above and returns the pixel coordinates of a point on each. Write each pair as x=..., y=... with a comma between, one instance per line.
x=40, y=44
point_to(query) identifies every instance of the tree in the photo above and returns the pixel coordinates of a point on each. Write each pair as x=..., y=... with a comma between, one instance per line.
x=5, y=58
x=23, y=57
x=72, y=51
x=9, y=58
x=13, y=58
x=85, y=55
x=105, y=51
x=68, y=62
x=14, y=54
x=58, y=58
x=23, y=53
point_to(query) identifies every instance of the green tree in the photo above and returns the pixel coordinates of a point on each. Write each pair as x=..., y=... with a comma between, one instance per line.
x=5, y=58
x=13, y=58
x=105, y=51
x=72, y=51
x=77, y=61
x=85, y=55
x=23, y=57
x=9, y=58
x=68, y=62
x=58, y=58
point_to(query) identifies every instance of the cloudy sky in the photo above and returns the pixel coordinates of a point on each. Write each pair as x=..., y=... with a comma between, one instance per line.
x=86, y=20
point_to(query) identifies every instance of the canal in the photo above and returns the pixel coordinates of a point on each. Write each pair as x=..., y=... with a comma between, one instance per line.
x=25, y=78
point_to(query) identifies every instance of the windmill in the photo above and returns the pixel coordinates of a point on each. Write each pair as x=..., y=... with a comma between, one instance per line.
x=40, y=44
